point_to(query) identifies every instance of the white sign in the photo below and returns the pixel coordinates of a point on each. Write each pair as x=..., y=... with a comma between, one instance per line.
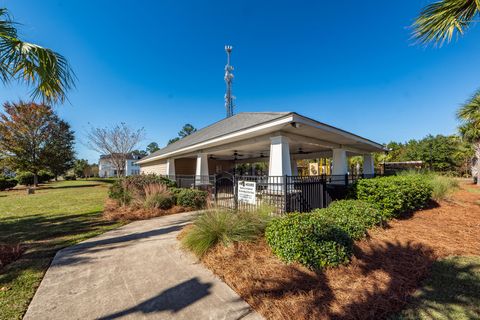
x=247, y=191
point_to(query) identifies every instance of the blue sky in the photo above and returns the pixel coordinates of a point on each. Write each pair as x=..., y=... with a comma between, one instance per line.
x=159, y=64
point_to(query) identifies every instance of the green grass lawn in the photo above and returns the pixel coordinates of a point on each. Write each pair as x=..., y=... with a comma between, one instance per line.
x=57, y=215
x=452, y=292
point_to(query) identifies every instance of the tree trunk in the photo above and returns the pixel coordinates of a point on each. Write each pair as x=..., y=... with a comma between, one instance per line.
x=476, y=169
x=35, y=180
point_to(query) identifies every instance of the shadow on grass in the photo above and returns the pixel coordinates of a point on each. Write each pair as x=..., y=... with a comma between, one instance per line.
x=38, y=227
x=173, y=299
x=451, y=292
x=49, y=187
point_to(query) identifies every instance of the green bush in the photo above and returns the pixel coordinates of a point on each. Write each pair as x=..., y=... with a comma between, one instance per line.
x=7, y=183
x=117, y=192
x=190, y=197
x=45, y=176
x=354, y=217
x=310, y=239
x=159, y=201
x=220, y=226
x=395, y=195
x=24, y=178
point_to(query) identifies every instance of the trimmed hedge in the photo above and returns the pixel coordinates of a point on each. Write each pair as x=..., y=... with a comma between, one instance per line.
x=354, y=217
x=310, y=239
x=25, y=178
x=395, y=195
x=192, y=198
x=7, y=183
x=45, y=176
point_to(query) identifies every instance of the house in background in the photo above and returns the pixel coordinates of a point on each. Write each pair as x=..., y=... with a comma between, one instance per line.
x=107, y=169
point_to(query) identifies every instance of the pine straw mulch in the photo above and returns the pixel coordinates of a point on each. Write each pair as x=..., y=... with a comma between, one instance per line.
x=385, y=270
x=114, y=212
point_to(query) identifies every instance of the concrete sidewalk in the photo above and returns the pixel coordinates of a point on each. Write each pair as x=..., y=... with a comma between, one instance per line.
x=135, y=272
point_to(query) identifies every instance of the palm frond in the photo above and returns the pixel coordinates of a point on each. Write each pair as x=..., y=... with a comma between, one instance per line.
x=440, y=21
x=46, y=70
x=469, y=115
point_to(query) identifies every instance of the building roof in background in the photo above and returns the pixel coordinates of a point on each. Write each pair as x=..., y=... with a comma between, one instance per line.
x=225, y=126
x=244, y=122
x=129, y=156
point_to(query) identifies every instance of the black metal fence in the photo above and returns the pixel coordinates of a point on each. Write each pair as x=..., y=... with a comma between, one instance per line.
x=285, y=193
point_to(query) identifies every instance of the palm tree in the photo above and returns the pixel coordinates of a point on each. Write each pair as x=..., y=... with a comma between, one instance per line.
x=47, y=71
x=439, y=21
x=469, y=115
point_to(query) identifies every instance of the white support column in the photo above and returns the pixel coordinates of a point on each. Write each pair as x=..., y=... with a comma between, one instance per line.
x=368, y=165
x=340, y=166
x=294, y=166
x=280, y=164
x=171, y=168
x=201, y=172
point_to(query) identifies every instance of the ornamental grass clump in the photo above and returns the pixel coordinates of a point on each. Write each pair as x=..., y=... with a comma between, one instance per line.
x=223, y=227
x=310, y=239
x=157, y=196
x=354, y=217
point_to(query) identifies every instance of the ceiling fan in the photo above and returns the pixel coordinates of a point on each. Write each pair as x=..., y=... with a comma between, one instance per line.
x=301, y=151
x=236, y=155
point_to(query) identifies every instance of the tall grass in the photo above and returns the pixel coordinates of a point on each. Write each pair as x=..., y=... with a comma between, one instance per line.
x=442, y=185
x=224, y=227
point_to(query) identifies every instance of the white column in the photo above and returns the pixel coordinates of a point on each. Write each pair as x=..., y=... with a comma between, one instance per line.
x=340, y=166
x=368, y=165
x=201, y=172
x=279, y=157
x=294, y=167
x=171, y=168
x=280, y=164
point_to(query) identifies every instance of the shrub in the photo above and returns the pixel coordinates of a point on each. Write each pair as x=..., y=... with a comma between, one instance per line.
x=7, y=183
x=158, y=197
x=25, y=178
x=45, y=176
x=70, y=177
x=119, y=193
x=219, y=226
x=129, y=187
x=310, y=239
x=191, y=198
x=354, y=217
x=395, y=194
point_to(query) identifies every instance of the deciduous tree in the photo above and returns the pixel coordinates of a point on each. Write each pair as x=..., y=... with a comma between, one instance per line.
x=60, y=153
x=26, y=132
x=117, y=142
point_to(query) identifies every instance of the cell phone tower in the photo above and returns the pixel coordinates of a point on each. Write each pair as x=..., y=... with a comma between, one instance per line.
x=228, y=81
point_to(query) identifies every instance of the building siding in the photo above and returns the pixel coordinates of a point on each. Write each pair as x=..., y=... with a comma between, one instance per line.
x=156, y=167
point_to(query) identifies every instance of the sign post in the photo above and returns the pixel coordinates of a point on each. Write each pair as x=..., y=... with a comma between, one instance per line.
x=247, y=191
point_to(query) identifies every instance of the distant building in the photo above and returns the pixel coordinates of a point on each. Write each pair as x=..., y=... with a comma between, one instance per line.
x=106, y=168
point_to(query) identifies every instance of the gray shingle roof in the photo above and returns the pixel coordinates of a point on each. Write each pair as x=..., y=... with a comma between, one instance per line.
x=225, y=126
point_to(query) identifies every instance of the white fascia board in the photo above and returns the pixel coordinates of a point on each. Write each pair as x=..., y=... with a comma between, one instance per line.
x=307, y=121
x=223, y=139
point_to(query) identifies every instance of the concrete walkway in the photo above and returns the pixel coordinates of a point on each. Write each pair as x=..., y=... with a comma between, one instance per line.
x=135, y=272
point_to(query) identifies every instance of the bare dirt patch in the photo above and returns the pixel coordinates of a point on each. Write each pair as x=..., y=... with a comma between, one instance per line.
x=385, y=270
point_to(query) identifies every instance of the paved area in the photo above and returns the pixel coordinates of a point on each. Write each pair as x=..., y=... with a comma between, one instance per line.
x=135, y=272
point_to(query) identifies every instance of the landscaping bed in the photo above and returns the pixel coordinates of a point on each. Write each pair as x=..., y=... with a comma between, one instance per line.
x=385, y=270
x=146, y=196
